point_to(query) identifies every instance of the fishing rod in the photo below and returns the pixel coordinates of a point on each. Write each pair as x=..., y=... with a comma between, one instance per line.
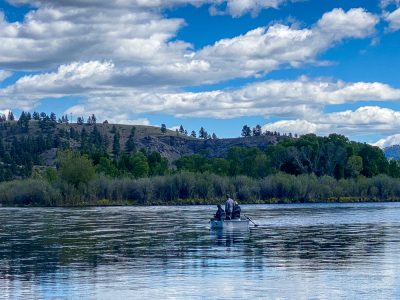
x=255, y=225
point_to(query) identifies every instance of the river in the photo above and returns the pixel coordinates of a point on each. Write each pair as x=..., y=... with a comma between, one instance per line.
x=304, y=251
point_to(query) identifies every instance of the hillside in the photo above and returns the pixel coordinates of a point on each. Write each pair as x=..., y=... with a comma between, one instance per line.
x=171, y=145
x=148, y=166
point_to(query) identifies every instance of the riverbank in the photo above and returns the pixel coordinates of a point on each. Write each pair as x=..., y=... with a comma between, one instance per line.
x=201, y=188
x=194, y=202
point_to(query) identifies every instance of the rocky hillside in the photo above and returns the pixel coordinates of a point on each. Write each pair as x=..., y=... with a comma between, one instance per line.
x=173, y=145
x=170, y=144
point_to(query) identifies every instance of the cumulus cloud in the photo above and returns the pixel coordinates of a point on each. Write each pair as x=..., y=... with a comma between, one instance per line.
x=4, y=75
x=138, y=43
x=50, y=36
x=294, y=126
x=386, y=3
x=393, y=18
x=91, y=81
x=364, y=120
x=72, y=79
x=299, y=98
x=128, y=61
x=388, y=141
x=235, y=8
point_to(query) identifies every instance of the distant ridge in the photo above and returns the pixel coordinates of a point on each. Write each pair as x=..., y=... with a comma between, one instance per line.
x=392, y=152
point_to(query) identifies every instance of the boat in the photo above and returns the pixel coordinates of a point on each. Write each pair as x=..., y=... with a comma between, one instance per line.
x=236, y=224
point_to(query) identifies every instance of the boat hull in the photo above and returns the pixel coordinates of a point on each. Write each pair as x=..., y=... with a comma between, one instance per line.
x=229, y=224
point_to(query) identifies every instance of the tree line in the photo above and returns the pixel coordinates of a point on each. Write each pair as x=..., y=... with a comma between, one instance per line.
x=93, y=165
x=333, y=156
x=195, y=188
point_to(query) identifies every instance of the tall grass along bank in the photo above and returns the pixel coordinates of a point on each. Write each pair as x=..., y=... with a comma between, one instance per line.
x=198, y=188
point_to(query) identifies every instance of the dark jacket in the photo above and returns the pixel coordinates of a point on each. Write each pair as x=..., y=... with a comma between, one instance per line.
x=236, y=212
x=220, y=214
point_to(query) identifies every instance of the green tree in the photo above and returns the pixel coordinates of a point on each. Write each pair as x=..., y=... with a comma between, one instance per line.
x=107, y=167
x=257, y=131
x=10, y=116
x=374, y=161
x=75, y=168
x=163, y=128
x=203, y=133
x=36, y=116
x=157, y=165
x=130, y=143
x=394, y=168
x=354, y=166
x=116, y=145
x=246, y=131
x=50, y=175
x=2, y=149
x=135, y=164
x=181, y=130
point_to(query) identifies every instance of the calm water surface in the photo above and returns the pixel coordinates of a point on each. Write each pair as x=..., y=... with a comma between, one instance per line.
x=320, y=251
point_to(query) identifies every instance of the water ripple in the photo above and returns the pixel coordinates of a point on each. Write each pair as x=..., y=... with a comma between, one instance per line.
x=298, y=251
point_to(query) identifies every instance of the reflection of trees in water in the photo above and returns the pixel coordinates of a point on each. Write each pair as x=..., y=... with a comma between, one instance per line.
x=40, y=245
x=43, y=244
x=318, y=245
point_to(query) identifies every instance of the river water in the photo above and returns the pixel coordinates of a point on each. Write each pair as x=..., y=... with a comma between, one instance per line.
x=307, y=251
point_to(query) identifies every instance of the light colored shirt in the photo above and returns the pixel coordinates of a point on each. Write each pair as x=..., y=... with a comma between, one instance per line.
x=229, y=206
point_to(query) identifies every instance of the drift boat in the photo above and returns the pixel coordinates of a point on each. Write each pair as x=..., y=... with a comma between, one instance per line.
x=236, y=224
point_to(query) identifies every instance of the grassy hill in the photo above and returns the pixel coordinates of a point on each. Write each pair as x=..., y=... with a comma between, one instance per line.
x=170, y=144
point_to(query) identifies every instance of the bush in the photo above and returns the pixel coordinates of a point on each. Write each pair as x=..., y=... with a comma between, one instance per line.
x=29, y=192
x=192, y=188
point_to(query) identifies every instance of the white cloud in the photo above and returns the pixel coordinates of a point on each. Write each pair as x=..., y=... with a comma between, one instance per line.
x=73, y=79
x=4, y=75
x=50, y=36
x=4, y=112
x=363, y=121
x=138, y=43
x=126, y=62
x=355, y=23
x=235, y=8
x=290, y=99
x=127, y=121
x=394, y=19
x=386, y=3
x=264, y=49
x=91, y=81
x=294, y=126
x=388, y=141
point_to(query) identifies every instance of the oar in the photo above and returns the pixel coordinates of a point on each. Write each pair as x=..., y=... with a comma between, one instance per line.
x=256, y=225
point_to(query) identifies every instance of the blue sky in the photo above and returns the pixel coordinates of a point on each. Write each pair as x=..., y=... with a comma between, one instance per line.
x=318, y=66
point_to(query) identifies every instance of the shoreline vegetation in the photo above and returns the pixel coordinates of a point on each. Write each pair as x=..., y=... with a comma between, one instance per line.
x=45, y=162
x=198, y=189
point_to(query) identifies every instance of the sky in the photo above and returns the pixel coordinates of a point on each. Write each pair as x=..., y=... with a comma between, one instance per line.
x=299, y=66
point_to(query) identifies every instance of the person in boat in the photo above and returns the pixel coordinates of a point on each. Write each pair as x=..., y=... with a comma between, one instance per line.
x=236, y=211
x=220, y=214
x=229, y=207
